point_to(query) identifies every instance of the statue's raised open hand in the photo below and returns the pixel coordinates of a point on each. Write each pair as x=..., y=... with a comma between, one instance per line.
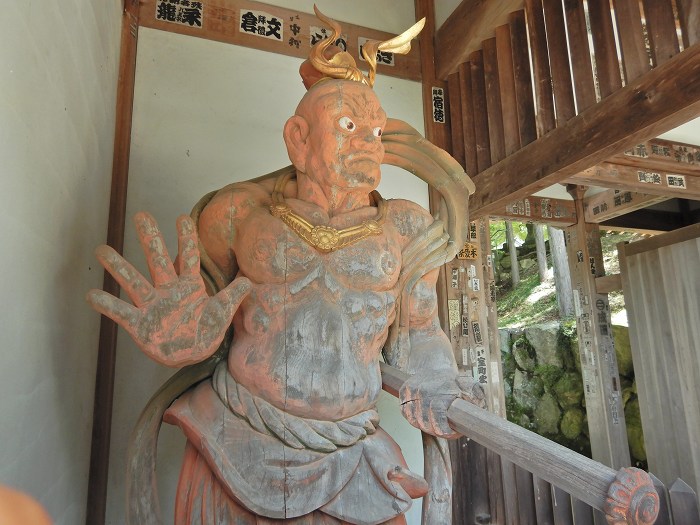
x=173, y=320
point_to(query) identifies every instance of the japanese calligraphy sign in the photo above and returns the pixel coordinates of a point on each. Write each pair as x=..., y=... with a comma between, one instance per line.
x=318, y=33
x=439, y=105
x=479, y=366
x=469, y=251
x=649, y=177
x=676, y=181
x=183, y=12
x=261, y=24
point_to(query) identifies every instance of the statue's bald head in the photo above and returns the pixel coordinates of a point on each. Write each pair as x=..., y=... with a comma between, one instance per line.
x=336, y=131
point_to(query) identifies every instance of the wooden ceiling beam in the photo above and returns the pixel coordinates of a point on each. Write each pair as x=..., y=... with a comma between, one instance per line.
x=466, y=28
x=613, y=203
x=664, y=155
x=656, y=102
x=628, y=178
x=557, y=212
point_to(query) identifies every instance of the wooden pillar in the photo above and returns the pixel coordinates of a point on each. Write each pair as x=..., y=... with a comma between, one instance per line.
x=606, y=419
x=106, y=352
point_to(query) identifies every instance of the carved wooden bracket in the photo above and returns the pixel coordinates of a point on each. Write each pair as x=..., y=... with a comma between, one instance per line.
x=632, y=498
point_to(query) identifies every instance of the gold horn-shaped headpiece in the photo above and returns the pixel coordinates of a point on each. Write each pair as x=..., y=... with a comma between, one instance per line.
x=342, y=65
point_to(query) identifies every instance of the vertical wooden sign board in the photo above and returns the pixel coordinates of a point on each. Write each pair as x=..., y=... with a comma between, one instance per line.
x=473, y=325
x=606, y=419
x=495, y=391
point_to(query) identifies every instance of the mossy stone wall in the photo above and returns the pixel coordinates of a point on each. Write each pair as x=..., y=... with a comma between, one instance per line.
x=544, y=388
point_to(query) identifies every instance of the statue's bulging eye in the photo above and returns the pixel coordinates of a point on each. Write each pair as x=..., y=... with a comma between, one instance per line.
x=346, y=123
x=377, y=132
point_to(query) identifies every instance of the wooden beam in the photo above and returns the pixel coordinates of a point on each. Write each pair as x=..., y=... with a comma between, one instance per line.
x=557, y=212
x=221, y=21
x=628, y=178
x=608, y=283
x=658, y=101
x=106, y=350
x=613, y=203
x=664, y=155
x=470, y=24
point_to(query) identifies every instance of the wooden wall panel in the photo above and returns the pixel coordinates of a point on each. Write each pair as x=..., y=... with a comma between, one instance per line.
x=559, y=61
x=481, y=122
x=584, y=88
x=661, y=282
x=689, y=17
x=465, y=88
x=544, y=101
x=493, y=101
x=607, y=66
x=635, y=59
x=661, y=28
x=455, y=106
x=523, y=80
x=506, y=78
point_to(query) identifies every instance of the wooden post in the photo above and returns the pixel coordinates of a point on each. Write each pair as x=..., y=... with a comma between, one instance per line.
x=606, y=419
x=106, y=351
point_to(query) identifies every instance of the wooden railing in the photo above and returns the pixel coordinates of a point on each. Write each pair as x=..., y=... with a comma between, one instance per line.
x=625, y=496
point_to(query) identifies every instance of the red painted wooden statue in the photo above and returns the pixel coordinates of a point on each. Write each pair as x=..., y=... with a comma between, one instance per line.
x=311, y=268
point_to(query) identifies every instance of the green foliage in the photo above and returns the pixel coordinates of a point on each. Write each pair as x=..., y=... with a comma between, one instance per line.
x=498, y=232
x=515, y=310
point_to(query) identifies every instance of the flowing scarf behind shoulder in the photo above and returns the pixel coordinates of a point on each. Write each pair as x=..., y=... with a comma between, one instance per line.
x=407, y=149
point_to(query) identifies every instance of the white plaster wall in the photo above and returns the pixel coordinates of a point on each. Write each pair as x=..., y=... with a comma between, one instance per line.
x=58, y=75
x=207, y=114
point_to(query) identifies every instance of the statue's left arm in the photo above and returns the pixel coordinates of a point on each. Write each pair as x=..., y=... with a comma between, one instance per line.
x=435, y=383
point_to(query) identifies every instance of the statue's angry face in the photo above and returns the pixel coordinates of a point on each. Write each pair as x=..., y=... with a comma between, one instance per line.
x=343, y=146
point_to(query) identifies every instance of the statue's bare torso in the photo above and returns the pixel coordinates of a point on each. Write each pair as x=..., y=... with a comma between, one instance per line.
x=308, y=336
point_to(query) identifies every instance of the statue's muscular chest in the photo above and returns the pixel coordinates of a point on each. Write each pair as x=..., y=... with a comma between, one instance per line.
x=269, y=252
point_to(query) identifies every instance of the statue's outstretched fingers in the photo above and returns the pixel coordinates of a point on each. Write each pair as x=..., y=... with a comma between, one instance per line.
x=129, y=278
x=188, y=249
x=159, y=263
x=121, y=312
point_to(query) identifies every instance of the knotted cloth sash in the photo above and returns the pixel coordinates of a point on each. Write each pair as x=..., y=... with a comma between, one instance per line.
x=293, y=431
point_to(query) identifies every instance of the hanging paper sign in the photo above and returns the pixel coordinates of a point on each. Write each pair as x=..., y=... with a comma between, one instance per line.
x=185, y=13
x=454, y=314
x=261, y=24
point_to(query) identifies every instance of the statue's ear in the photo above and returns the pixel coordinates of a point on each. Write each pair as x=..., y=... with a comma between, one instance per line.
x=296, y=134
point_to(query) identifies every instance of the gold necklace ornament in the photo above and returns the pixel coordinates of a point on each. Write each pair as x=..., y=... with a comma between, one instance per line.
x=325, y=238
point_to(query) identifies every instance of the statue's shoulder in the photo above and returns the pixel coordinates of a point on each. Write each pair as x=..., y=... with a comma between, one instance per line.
x=408, y=218
x=222, y=216
x=239, y=197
